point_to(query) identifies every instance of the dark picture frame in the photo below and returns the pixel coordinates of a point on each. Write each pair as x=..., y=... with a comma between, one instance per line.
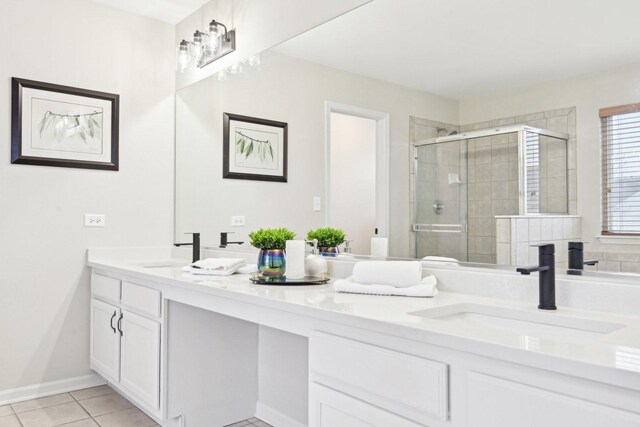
x=260, y=148
x=22, y=109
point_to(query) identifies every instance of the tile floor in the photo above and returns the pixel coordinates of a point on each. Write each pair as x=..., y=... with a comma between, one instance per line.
x=92, y=407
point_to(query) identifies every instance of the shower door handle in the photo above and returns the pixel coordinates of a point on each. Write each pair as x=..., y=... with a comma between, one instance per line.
x=440, y=228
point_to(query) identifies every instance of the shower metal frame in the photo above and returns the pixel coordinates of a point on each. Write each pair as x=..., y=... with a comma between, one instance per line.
x=522, y=176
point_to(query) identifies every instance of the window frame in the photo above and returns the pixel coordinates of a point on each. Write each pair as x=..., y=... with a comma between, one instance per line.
x=605, y=114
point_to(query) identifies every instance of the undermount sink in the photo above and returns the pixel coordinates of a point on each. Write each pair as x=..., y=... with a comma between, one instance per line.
x=522, y=322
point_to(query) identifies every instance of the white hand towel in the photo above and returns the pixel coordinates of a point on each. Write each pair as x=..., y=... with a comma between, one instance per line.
x=427, y=287
x=215, y=266
x=399, y=274
x=248, y=269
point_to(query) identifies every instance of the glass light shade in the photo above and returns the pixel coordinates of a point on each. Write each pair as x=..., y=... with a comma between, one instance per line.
x=183, y=57
x=197, y=48
x=212, y=39
x=254, y=60
x=236, y=68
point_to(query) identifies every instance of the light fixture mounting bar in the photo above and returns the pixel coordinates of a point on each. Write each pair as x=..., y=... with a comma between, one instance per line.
x=227, y=45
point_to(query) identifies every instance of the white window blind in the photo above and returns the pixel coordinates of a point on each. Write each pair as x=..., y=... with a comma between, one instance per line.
x=620, y=127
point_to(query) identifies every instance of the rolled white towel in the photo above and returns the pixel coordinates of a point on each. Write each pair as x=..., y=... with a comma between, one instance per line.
x=215, y=266
x=427, y=287
x=400, y=274
x=440, y=260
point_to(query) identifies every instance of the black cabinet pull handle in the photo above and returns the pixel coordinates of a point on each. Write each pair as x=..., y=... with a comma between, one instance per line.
x=120, y=323
x=111, y=321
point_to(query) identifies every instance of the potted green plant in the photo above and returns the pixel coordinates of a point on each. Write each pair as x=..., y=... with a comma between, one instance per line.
x=328, y=239
x=271, y=242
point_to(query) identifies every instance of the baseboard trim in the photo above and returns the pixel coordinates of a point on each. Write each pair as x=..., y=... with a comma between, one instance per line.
x=34, y=391
x=275, y=418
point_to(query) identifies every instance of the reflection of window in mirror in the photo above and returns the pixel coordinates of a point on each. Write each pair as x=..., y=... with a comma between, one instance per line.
x=621, y=169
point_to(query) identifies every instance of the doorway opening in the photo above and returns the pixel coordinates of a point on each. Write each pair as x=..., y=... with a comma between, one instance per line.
x=357, y=173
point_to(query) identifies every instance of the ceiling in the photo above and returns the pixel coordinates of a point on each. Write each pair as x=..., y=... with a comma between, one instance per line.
x=170, y=11
x=464, y=49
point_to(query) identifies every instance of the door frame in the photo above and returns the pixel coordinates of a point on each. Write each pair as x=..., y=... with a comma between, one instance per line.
x=382, y=120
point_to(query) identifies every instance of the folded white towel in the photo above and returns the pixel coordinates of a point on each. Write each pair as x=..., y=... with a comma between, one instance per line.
x=440, y=260
x=215, y=266
x=399, y=274
x=248, y=269
x=427, y=287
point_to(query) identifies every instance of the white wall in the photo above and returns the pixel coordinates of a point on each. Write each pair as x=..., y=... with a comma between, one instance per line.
x=352, y=193
x=260, y=24
x=44, y=284
x=293, y=91
x=588, y=93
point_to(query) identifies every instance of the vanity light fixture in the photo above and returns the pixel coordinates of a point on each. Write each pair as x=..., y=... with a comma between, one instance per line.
x=205, y=47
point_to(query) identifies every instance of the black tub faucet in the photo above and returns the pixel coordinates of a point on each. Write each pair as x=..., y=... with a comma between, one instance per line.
x=224, y=242
x=547, y=280
x=196, y=246
x=576, y=258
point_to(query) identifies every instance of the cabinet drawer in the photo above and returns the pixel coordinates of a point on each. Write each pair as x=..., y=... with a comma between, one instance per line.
x=141, y=299
x=105, y=287
x=408, y=385
x=329, y=408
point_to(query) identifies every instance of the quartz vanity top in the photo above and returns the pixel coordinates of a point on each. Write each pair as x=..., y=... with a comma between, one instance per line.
x=613, y=356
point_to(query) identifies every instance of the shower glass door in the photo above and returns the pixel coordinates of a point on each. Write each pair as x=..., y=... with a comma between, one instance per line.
x=440, y=200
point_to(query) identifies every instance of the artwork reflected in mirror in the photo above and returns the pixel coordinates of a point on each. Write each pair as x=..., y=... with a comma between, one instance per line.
x=254, y=149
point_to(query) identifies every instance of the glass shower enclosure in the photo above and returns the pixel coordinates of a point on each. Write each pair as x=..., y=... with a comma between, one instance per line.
x=463, y=182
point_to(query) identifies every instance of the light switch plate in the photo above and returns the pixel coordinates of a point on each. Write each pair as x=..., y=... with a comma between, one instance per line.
x=94, y=220
x=317, y=205
x=237, y=221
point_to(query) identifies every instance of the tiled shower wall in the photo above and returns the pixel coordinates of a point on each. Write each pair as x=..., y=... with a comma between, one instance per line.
x=516, y=235
x=493, y=176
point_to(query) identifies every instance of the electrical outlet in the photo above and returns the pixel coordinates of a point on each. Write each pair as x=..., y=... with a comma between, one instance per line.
x=317, y=206
x=237, y=221
x=93, y=220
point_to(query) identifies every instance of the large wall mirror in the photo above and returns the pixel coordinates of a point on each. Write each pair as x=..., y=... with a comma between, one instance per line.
x=469, y=132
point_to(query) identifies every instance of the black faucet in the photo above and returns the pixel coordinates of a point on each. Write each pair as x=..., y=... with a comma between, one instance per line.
x=576, y=258
x=547, y=269
x=224, y=242
x=195, y=244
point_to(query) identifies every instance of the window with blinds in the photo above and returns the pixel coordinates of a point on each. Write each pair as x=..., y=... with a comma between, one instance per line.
x=621, y=169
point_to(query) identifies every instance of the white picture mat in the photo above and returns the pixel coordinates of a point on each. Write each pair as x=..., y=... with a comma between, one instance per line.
x=238, y=163
x=36, y=102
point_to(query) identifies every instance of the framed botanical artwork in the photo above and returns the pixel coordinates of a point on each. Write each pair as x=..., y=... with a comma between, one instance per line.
x=254, y=149
x=54, y=125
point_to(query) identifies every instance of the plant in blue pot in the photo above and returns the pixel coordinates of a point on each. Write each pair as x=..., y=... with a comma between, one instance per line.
x=271, y=242
x=328, y=239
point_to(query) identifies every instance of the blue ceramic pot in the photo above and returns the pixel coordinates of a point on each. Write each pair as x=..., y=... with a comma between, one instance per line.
x=272, y=262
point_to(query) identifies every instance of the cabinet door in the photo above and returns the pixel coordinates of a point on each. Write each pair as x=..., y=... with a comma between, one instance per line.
x=496, y=402
x=105, y=340
x=330, y=408
x=140, y=371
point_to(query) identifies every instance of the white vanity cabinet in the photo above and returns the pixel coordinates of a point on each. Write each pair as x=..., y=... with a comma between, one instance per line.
x=126, y=327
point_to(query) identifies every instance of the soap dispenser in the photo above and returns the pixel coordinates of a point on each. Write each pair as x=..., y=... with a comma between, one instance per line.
x=379, y=246
x=314, y=264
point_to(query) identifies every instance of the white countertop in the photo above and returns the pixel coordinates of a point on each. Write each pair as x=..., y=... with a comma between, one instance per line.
x=612, y=358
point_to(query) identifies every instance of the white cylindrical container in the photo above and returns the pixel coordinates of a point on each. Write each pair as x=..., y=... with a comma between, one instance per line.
x=379, y=247
x=295, y=259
